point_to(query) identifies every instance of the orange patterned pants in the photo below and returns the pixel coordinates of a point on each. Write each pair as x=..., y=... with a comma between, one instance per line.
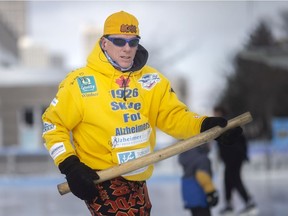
x=120, y=197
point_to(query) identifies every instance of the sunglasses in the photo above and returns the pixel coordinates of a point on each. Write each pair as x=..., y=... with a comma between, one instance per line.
x=121, y=42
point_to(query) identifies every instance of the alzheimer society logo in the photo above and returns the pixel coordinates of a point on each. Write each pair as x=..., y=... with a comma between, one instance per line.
x=87, y=84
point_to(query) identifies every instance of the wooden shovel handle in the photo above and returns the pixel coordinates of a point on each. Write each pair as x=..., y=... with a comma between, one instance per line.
x=164, y=153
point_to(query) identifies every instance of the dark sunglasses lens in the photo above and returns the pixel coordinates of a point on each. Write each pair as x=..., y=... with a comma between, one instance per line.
x=134, y=42
x=119, y=42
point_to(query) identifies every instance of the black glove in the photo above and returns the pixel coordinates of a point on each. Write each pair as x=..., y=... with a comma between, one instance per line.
x=211, y=122
x=228, y=137
x=80, y=178
x=212, y=198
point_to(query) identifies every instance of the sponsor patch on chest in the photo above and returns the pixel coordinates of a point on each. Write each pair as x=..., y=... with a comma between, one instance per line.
x=131, y=139
x=124, y=157
x=87, y=84
x=148, y=81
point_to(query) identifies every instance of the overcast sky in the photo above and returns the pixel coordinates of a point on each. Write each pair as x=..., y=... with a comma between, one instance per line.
x=196, y=38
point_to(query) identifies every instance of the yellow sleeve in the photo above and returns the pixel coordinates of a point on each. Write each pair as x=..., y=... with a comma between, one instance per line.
x=205, y=181
x=174, y=117
x=59, y=119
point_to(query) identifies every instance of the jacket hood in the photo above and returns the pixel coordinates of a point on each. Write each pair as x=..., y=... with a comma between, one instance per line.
x=98, y=61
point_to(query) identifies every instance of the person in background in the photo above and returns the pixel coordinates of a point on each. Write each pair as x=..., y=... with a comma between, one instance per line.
x=106, y=113
x=197, y=188
x=234, y=155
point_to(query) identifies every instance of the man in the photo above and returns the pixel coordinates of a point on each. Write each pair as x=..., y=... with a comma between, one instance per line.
x=233, y=155
x=111, y=108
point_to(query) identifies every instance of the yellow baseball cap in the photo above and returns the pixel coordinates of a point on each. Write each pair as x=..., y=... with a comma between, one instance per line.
x=121, y=23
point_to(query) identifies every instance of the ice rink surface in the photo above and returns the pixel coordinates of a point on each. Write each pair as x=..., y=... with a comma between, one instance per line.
x=265, y=176
x=38, y=195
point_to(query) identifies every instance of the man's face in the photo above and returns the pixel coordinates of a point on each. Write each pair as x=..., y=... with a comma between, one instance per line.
x=123, y=55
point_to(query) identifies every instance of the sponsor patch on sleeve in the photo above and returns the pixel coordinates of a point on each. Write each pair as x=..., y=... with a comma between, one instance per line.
x=47, y=127
x=57, y=149
x=54, y=102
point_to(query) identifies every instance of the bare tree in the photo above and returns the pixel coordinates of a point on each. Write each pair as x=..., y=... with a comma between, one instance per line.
x=261, y=37
x=254, y=85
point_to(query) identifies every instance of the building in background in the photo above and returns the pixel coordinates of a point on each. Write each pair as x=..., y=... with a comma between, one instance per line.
x=90, y=36
x=32, y=55
x=30, y=76
x=14, y=15
x=24, y=95
x=12, y=27
x=8, y=46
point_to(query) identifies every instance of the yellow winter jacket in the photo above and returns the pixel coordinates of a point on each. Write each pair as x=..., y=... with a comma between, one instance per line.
x=107, y=117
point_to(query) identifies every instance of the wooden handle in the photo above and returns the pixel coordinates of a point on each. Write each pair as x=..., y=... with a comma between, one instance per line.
x=164, y=153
